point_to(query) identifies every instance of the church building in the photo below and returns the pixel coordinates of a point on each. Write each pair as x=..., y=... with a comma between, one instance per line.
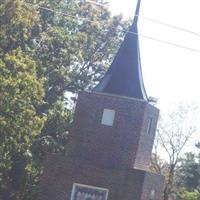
x=112, y=138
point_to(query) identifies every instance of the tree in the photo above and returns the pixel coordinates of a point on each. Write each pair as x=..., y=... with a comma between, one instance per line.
x=72, y=54
x=188, y=173
x=174, y=131
x=21, y=93
x=186, y=195
x=16, y=22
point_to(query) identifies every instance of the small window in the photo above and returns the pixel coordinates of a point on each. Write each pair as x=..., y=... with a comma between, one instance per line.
x=149, y=126
x=108, y=117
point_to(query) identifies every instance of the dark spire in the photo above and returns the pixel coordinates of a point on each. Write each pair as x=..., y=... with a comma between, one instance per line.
x=124, y=77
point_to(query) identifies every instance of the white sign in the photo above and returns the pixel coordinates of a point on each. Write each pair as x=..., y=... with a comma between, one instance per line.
x=87, y=192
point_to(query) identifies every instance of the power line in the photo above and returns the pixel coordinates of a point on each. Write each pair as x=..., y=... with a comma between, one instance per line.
x=141, y=17
x=60, y=13
x=134, y=33
x=171, y=26
x=165, y=42
x=95, y=3
x=154, y=21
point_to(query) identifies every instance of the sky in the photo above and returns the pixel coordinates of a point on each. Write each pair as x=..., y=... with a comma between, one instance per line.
x=171, y=74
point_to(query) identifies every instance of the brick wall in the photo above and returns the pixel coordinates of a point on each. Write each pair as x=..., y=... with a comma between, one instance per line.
x=106, y=156
x=147, y=135
x=126, y=144
x=61, y=172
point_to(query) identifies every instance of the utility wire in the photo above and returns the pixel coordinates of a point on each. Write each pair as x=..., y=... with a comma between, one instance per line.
x=134, y=33
x=165, y=42
x=154, y=21
x=60, y=13
x=171, y=26
x=95, y=3
x=141, y=17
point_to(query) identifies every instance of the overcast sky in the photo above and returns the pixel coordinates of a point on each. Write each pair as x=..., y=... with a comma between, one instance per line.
x=171, y=74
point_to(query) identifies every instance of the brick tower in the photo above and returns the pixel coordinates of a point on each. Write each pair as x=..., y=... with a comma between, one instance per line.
x=111, y=139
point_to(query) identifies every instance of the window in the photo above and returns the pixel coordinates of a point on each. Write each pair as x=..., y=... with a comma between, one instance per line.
x=87, y=192
x=108, y=117
x=149, y=125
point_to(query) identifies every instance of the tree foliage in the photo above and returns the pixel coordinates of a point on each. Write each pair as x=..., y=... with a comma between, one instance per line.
x=21, y=93
x=73, y=43
x=187, y=195
x=188, y=172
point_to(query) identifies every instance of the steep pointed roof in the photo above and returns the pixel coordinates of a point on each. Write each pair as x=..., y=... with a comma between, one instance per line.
x=124, y=76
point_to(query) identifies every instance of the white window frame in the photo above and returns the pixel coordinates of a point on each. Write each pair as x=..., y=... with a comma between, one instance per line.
x=75, y=185
x=108, y=117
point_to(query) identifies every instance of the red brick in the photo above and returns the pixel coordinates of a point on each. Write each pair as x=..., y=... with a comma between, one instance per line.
x=113, y=157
